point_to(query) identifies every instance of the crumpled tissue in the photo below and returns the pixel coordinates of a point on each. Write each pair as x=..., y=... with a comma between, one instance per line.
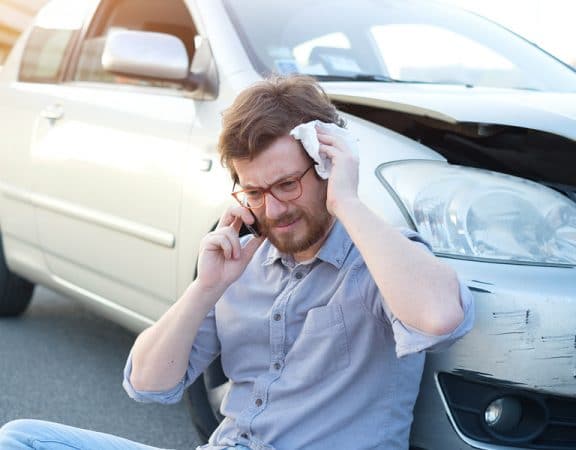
x=306, y=133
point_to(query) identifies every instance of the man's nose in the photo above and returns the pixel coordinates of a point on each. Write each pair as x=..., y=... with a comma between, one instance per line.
x=274, y=207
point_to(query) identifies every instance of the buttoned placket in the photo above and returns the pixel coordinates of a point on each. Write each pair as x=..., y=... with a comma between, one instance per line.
x=277, y=324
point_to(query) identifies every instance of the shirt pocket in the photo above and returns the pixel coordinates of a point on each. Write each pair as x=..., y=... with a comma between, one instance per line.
x=321, y=349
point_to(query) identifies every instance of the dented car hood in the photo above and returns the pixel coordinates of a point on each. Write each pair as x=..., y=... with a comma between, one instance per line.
x=545, y=111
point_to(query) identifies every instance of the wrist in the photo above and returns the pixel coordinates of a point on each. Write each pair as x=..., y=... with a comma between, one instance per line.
x=201, y=293
x=344, y=206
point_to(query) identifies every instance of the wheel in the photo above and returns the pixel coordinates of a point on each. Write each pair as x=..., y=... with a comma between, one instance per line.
x=15, y=291
x=205, y=396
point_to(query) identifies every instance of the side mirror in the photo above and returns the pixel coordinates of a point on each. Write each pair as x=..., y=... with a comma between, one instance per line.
x=146, y=54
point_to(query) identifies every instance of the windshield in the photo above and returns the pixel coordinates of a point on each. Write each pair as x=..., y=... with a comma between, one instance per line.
x=392, y=40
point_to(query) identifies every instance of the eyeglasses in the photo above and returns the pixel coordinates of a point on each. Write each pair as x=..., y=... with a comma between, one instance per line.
x=283, y=191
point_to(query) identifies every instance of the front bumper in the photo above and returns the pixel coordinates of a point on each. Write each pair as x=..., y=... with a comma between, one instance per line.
x=523, y=342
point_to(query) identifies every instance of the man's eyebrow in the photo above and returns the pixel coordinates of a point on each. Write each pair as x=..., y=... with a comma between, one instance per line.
x=282, y=178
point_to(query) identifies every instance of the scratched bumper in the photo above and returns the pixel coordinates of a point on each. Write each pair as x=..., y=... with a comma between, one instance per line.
x=524, y=337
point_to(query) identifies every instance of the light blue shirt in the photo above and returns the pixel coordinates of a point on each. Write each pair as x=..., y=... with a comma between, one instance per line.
x=315, y=357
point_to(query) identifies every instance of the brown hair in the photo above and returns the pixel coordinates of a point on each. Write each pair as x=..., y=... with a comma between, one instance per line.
x=268, y=110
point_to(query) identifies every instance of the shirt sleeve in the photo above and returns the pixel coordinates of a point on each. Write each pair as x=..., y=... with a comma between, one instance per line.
x=205, y=349
x=408, y=339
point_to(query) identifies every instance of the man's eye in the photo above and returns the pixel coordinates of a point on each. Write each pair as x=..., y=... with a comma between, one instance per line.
x=253, y=194
x=288, y=185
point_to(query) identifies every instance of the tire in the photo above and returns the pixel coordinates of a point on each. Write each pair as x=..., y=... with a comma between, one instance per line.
x=15, y=291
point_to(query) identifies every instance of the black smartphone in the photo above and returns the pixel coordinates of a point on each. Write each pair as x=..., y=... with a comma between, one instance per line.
x=254, y=229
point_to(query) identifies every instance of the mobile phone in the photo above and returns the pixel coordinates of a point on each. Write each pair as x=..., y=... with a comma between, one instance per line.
x=254, y=229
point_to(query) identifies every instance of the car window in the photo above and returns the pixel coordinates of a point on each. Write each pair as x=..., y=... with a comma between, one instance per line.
x=438, y=55
x=51, y=39
x=419, y=41
x=306, y=53
x=168, y=16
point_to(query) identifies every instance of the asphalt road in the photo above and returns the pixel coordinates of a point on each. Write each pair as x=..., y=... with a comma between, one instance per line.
x=61, y=363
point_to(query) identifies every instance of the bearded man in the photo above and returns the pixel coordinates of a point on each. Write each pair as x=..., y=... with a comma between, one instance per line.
x=322, y=321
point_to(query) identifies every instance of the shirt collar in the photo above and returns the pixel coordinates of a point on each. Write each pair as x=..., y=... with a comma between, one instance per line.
x=334, y=250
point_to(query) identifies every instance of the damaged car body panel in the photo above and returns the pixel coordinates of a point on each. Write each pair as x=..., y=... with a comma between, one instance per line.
x=523, y=346
x=495, y=133
x=554, y=113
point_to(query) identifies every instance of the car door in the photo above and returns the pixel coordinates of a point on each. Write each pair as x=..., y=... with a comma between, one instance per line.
x=108, y=157
x=33, y=68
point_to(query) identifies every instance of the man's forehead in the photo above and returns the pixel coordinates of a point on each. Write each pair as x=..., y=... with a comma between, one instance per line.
x=283, y=158
x=257, y=176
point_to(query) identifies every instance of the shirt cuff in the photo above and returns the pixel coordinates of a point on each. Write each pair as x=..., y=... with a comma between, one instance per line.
x=410, y=340
x=173, y=395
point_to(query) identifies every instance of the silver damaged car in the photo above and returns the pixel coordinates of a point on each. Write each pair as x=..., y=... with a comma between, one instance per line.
x=109, y=176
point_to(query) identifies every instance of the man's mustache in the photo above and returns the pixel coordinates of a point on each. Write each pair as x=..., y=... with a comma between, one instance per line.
x=283, y=220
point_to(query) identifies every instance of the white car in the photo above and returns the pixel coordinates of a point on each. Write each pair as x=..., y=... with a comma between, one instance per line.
x=109, y=176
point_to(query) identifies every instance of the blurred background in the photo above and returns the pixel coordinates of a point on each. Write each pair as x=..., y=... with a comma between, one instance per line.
x=14, y=17
x=549, y=24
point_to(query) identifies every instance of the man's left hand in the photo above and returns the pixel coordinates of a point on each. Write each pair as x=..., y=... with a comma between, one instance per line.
x=343, y=179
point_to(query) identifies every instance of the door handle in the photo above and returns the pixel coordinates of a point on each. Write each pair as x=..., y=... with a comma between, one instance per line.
x=53, y=112
x=205, y=164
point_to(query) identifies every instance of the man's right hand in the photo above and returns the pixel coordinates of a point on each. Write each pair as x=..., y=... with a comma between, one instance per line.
x=222, y=259
x=160, y=355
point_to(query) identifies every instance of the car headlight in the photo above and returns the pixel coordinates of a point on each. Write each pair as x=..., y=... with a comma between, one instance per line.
x=478, y=214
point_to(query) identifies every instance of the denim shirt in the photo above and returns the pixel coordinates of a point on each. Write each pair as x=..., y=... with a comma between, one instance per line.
x=315, y=357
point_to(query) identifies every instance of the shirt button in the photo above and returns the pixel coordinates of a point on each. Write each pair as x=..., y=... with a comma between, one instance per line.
x=277, y=366
x=277, y=317
x=244, y=435
x=258, y=402
x=299, y=275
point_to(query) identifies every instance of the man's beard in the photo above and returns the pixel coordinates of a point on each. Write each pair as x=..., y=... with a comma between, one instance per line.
x=317, y=227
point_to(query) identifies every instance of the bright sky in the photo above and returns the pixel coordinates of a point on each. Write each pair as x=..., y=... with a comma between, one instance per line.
x=551, y=24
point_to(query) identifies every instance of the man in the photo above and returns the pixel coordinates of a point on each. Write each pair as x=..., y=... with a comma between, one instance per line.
x=321, y=323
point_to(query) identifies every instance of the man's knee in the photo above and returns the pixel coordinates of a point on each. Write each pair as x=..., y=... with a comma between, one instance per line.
x=20, y=430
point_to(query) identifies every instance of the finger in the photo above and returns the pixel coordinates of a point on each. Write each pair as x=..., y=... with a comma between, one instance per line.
x=325, y=138
x=327, y=150
x=221, y=243
x=337, y=154
x=237, y=224
x=232, y=235
x=232, y=213
x=334, y=143
x=227, y=217
x=330, y=139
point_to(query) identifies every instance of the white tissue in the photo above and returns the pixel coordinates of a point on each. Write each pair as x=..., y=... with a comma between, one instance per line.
x=306, y=133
